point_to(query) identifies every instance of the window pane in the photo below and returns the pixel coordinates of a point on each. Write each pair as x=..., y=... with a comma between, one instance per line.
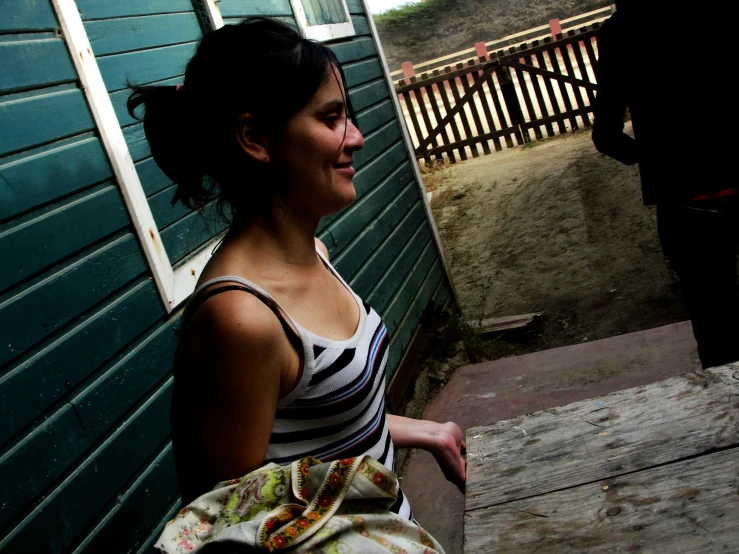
x=322, y=12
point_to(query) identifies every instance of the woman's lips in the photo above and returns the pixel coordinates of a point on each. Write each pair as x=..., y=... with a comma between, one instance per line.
x=345, y=169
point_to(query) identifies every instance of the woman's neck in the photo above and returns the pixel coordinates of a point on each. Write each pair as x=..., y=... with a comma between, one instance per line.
x=279, y=236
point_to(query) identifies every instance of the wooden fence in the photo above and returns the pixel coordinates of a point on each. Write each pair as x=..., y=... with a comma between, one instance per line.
x=545, y=88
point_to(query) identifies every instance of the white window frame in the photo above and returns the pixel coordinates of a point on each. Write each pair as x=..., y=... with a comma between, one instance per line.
x=174, y=284
x=325, y=32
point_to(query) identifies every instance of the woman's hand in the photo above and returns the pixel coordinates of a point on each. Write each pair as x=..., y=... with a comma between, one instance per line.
x=449, y=454
x=444, y=440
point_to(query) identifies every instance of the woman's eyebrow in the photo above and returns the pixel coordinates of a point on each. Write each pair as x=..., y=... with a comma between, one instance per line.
x=331, y=105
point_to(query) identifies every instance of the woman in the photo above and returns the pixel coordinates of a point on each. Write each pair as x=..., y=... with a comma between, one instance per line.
x=278, y=359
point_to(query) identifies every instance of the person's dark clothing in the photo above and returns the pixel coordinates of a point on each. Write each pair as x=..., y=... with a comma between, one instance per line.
x=700, y=240
x=677, y=97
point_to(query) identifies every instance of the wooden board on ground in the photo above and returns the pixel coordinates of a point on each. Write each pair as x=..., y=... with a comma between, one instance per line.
x=687, y=506
x=563, y=457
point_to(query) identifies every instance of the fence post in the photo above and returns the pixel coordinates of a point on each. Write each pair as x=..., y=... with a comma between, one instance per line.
x=408, y=71
x=480, y=49
x=555, y=26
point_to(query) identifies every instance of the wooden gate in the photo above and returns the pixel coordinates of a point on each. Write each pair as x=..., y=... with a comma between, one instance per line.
x=544, y=88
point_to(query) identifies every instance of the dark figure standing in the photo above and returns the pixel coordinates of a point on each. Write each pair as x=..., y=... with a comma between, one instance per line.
x=679, y=104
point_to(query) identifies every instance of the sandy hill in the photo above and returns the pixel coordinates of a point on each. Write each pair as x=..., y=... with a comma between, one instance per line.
x=434, y=28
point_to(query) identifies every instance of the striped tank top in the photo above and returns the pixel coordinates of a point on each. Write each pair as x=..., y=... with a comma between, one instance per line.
x=337, y=409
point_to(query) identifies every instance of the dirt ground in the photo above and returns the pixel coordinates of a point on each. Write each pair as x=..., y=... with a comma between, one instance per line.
x=553, y=227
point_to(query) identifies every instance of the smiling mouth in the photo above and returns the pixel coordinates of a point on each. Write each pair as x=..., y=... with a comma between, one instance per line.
x=344, y=166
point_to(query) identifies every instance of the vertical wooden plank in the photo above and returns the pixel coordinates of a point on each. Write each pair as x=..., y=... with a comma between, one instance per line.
x=499, y=107
x=579, y=100
x=510, y=98
x=486, y=104
x=537, y=91
x=526, y=98
x=576, y=48
x=473, y=108
x=462, y=113
x=590, y=52
x=412, y=113
x=553, y=53
x=550, y=90
x=437, y=114
x=425, y=115
x=448, y=108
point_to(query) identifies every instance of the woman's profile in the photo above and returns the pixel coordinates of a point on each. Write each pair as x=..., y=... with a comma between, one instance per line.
x=278, y=359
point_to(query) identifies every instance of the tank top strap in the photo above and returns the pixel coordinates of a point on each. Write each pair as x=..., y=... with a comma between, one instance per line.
x=295, y=334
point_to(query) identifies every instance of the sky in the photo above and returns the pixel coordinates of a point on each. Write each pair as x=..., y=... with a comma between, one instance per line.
x=378, y=6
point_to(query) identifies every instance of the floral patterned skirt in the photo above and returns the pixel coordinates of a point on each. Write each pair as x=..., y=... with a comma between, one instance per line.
x=307, y=507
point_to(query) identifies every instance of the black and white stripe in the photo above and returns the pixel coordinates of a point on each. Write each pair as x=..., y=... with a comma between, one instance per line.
x=338, y=408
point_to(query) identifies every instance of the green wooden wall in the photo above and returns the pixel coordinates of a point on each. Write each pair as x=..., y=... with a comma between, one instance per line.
x=85, y=355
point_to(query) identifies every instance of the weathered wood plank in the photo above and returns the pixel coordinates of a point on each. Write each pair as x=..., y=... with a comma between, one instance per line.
x=144, y=66
x=358, y=216
x=366, y=95
x=64, y=113
x=372, y=172
x=376, y=142
x=164, y=212
x=400, y=284
x=37, y=312
x=100, y=9
x=362, y=72
x=356, y=253
x=137, y=510
x=361, y=26
x=354, y=50
x=31, y=15
x=242, y=8
x=112, y=394
x=369, y=175
x=412, y=232
x=68, y=509
x=447, y=107
x=36, y=244
x=168, y=514
x=34, y=63
x=110, y=36
x=376, y=116
x=355, y=6
x=152, y=177
x=28, y=468
x=190, y=233
x=36, y=177
x=687, y=506
x=403, y=332
x=603, y=437
x=44, y=377
x=136, y=141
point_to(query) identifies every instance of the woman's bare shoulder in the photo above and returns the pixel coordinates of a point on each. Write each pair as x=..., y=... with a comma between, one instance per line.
x=234, y=326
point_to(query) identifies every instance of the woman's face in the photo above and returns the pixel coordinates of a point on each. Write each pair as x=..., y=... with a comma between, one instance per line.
x=313, y=157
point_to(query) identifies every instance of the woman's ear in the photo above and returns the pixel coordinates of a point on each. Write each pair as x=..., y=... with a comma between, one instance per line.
x=251, y=140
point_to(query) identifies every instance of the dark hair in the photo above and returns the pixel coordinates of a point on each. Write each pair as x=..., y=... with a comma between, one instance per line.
x=259, y=66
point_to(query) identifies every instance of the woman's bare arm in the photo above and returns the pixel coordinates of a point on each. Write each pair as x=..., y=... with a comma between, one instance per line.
x=444, y=440
x=243, y=355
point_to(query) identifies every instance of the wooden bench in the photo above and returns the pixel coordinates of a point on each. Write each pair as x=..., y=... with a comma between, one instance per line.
x=648, y=469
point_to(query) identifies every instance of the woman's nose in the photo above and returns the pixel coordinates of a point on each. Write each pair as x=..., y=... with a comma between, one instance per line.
x=354, y=140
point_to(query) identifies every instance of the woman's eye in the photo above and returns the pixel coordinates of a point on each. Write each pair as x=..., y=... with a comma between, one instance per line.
x=333, y=119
